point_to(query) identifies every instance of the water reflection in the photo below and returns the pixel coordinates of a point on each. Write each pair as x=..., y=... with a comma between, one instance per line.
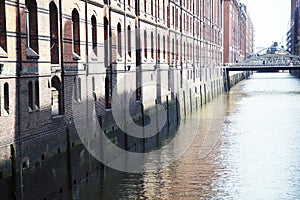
x=261, y=151
x=255, y=154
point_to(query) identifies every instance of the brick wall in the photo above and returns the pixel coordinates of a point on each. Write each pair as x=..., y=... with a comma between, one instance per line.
x=194, y=73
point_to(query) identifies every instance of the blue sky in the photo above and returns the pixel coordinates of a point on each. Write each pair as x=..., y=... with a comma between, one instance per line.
x=271, y=19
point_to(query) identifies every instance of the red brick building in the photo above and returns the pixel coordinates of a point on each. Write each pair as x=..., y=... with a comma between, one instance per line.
x=54, y=53
x=293, y=33
x=238, y=32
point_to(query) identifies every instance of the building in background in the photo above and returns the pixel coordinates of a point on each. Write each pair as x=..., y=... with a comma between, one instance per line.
x=238, y=32
x=249, y=33
x=293, y=33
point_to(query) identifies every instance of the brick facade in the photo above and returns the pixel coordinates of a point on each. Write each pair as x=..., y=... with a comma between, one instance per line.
x=238, y=32
x=293, y=33
x=63, y=63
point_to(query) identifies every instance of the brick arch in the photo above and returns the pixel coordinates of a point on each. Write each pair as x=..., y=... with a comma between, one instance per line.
x=75, y=5
x=53, y=1
x=94, y=13
x=55, y=82
x=120, y=20
x=56, y=97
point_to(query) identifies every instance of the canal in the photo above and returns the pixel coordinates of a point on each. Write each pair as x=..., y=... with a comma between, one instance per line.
x=247, y=147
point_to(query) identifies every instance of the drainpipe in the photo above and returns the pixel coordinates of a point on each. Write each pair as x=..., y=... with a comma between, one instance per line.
x=125, y=38
x=110, y=54
x=86, y=35
x=62, y=106
x=18, y=73
x=87, y=72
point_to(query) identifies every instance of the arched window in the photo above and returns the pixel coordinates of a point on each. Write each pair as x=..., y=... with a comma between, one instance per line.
x=152, y=46
x=168, y=49
x=164, y=12
x=56, y=96
x=30, y=96
x=76, y=32
x=152, y=7
x=164, y=47
x=191, y=51
x=145, y=43
x=79, y=89
x=184, y=53
x=158, y=46
x=187, y=24
x=93, y=84
x=187, y=51
x=37, y=94
x=198, y=52
x=3, y=41
x=94, y=34
x=177, y=49
x=54, y=47
x=75, y=90
x=187, y=4
x=6, y=97
x=119, y=40
x=94, y=89
x=107, y=93
x=106, y=42
x=173, y=47
x=129, y=40
x=32, y=25
x=158, y=9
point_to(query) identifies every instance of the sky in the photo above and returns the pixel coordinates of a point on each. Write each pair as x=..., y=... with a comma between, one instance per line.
x=271, y=20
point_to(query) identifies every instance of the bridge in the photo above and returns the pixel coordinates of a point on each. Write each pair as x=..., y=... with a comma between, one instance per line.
x=268, y=59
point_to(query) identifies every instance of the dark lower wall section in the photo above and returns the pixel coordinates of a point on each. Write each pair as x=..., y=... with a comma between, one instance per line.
x=50, y=165
x=295, y=73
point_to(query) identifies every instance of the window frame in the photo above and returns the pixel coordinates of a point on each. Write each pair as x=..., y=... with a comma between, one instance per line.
x=6, y=97
x=32, y=50
x=3, y=34
x=76, y=34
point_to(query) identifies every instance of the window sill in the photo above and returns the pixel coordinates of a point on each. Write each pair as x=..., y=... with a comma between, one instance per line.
x=3, y=53
x=94, y=56
x=31, y=54
x=5, y=113
x=57, y=116
x=30, y=110
x=75, y=56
